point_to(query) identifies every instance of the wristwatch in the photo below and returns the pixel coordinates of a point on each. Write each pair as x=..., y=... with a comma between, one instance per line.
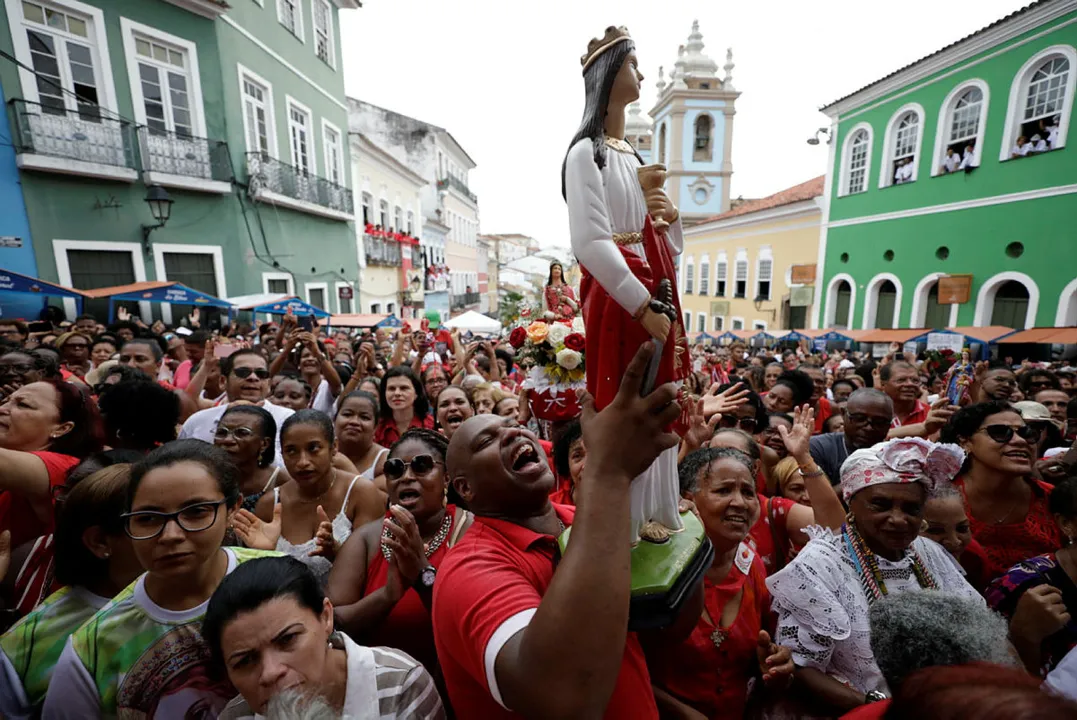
x=873, y=697
x=426, y=578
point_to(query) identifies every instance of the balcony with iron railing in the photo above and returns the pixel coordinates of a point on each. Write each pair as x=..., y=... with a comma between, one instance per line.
x=463, y=300
x=459, y=186
x=184, y=161
x=85, y=140
x=279, y=183
x=380, y=251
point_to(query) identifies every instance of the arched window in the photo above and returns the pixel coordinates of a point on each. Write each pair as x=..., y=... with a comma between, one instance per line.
x=882, y=302
x=843, y=304
x=1041, y=98
x=662, y=144
x=959, y=138
x=1011, y=305
x=701, y=149
x=885, y=305
x=901, y=155
x=856, y=161
x=935, y=315
x=840, y=300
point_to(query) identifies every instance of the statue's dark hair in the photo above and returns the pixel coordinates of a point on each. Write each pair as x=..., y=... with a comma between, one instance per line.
x=597, y=83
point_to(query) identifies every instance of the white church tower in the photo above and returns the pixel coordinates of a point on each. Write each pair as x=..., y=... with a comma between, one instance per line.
x=693, y=130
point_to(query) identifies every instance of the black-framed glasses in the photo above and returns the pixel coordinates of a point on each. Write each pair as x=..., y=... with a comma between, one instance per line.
x=420, y=465
x=16, y=369
x=148, y=524
x=239, y=433
x=747, y=424
x=876, y=422
x=1003, y=434
x=245, y=372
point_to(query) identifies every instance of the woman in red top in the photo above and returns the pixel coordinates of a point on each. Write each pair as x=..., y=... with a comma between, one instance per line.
x=45, y=429
x=710, y=671
x=1007, y=509
x=382, y=581
x=946, y=522
x=403, y=406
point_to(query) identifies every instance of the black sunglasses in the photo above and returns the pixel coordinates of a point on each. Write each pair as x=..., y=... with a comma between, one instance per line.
x=747, y=424
x=1003, y=434
x=420, y=465
x=245, y=372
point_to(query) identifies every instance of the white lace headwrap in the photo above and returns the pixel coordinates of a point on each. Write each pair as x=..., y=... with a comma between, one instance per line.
x=903, y=460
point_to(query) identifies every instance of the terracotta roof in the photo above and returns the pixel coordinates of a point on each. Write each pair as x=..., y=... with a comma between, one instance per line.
x=900, y=70
x=804, y=191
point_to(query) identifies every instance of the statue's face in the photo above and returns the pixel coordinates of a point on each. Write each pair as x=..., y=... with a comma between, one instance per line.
x=626, y=85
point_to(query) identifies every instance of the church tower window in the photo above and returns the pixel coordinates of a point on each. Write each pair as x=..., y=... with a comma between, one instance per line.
x=702, y=151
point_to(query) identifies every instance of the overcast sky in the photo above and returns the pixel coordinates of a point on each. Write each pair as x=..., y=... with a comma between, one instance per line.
x=503, y=76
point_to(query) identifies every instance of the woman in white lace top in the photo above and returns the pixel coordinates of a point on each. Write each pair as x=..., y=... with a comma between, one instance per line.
x=822, y=598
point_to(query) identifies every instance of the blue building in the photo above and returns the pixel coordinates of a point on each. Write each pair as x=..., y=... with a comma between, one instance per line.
x=16, y=250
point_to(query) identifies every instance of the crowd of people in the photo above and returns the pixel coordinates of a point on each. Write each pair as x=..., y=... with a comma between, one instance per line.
x=267, y=521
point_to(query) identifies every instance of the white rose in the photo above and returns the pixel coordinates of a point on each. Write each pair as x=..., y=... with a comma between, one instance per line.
x=577, y=325
x=558, y=333
x=568, y=359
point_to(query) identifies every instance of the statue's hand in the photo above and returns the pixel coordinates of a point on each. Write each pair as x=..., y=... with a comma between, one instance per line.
x=656, y=324
x=659, y=205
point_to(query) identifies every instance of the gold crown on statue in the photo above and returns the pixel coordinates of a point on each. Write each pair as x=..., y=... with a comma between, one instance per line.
x=597, y=46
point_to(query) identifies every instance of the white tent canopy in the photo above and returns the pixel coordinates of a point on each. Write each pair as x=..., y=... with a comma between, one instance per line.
x=474, y=322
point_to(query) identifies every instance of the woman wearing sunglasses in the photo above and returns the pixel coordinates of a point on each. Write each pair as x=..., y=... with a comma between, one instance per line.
x=382, y=585
x=1006, y=507
x=142, y=654
x=94, y=560
x=247, y=433
x=312, y=515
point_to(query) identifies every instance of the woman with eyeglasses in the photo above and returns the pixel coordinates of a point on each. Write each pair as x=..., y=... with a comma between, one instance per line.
x=1007, y=509
x=94, y=560
x=1039, y=595
x=382, y=584
x=142, y=654
x=355, y=421
x=247, y=433
x=312, y=515
x=74, y=349
x=19, y=368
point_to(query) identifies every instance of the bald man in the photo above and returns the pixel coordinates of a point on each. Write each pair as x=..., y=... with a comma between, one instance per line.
x=868, y=415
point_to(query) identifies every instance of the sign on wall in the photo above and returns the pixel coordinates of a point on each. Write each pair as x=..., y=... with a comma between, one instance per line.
x=946, y=341
x=346, y=292
x=801, y=296
x=955, y=289
x=719, y=308
x=802, y=275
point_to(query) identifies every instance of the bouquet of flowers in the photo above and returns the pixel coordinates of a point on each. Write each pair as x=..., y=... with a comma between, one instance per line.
x=556, y=352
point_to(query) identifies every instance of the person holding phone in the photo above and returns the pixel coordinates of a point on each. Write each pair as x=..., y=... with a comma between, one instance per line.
x=308, y=355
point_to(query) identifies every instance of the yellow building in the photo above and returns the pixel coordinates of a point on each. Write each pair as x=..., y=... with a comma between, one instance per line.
x=736, y=269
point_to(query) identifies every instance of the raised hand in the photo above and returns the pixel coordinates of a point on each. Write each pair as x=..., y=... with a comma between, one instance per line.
x=939, y=415
x=797, y=440
x=700, y=430
x=123, y=314
x=724, y=402
x=255, y=532
x=325, y=544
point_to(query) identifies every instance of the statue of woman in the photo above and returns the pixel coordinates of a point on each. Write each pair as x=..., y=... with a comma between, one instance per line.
x=559, y=299
x=624, y=259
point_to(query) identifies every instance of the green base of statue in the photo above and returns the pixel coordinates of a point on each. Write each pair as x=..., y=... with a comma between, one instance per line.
x=664, y=574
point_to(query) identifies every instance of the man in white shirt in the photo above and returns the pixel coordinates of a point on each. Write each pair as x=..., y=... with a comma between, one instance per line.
x=951, y=161
x=899, y=173
x=246, y=379
x=1021, y=148
x=969, y=158
x=1050, y=127
x=1039, y=144
x=906, y=171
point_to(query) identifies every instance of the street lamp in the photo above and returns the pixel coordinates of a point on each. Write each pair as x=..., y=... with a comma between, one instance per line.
x=161, y=209
x=814, y=139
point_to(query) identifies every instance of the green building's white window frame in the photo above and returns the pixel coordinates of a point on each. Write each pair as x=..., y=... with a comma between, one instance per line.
x=689, y=275
x=859, y=136
x=705, y=274
x=900, y=121
x=341, y=308
x=87, y=32
x=298, y=133
x=736, y=322
x=63, y=266
x=985, y=298
x=1015, y=109
x=1066, y=315
x=870, y=320
x=831, y=307
x=135, y=37
x=325, y=44
x=701, y=322
x=920, y=294
x=944, y=132
x=159, y=251
x=719, y=323
x=764, y=273
x=251, y=105
x=721, y=275
x=333, y=146
x=290, y=15
x=324, y=287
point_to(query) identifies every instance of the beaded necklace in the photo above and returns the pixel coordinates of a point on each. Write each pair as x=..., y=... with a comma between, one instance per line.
x=431, y=547
x=867, y=565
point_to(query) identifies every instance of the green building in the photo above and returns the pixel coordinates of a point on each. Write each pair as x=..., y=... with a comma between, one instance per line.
x=236, y=110
x=957, y=165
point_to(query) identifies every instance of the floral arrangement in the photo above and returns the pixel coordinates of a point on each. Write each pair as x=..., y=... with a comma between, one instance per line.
x=938, y=362
x=556, y=347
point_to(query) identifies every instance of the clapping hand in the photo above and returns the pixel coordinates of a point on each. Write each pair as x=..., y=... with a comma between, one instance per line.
x=325, y=544
x=408, y=551
x=255, y=532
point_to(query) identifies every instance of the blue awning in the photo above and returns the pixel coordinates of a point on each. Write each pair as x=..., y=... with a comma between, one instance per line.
x=159, y=292
x=297, y=306
x=18, y=283
x=391, y=321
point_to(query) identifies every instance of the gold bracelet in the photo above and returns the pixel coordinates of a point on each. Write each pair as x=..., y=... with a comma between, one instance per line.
x=642, y=309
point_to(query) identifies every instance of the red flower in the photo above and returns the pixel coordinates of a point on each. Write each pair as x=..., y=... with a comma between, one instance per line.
x=946, y=352
x=518, y=337
x=575, y=341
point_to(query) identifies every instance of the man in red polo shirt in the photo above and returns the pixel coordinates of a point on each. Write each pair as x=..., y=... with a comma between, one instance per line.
x=912, y=416
x=511, y=637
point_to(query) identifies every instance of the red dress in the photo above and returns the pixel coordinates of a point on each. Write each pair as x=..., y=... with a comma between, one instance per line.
x=408, y=626
x=770, y=535
x=386, y=432
x=1006, y=545
x=711, y=672
x=556, y=296
x=613, y=337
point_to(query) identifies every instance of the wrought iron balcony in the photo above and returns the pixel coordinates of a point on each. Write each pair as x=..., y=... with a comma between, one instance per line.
x=178, y=160
x=461, y=301
x=459, y=185
x=281, y=184
x=84, y=141
x=380, y=251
